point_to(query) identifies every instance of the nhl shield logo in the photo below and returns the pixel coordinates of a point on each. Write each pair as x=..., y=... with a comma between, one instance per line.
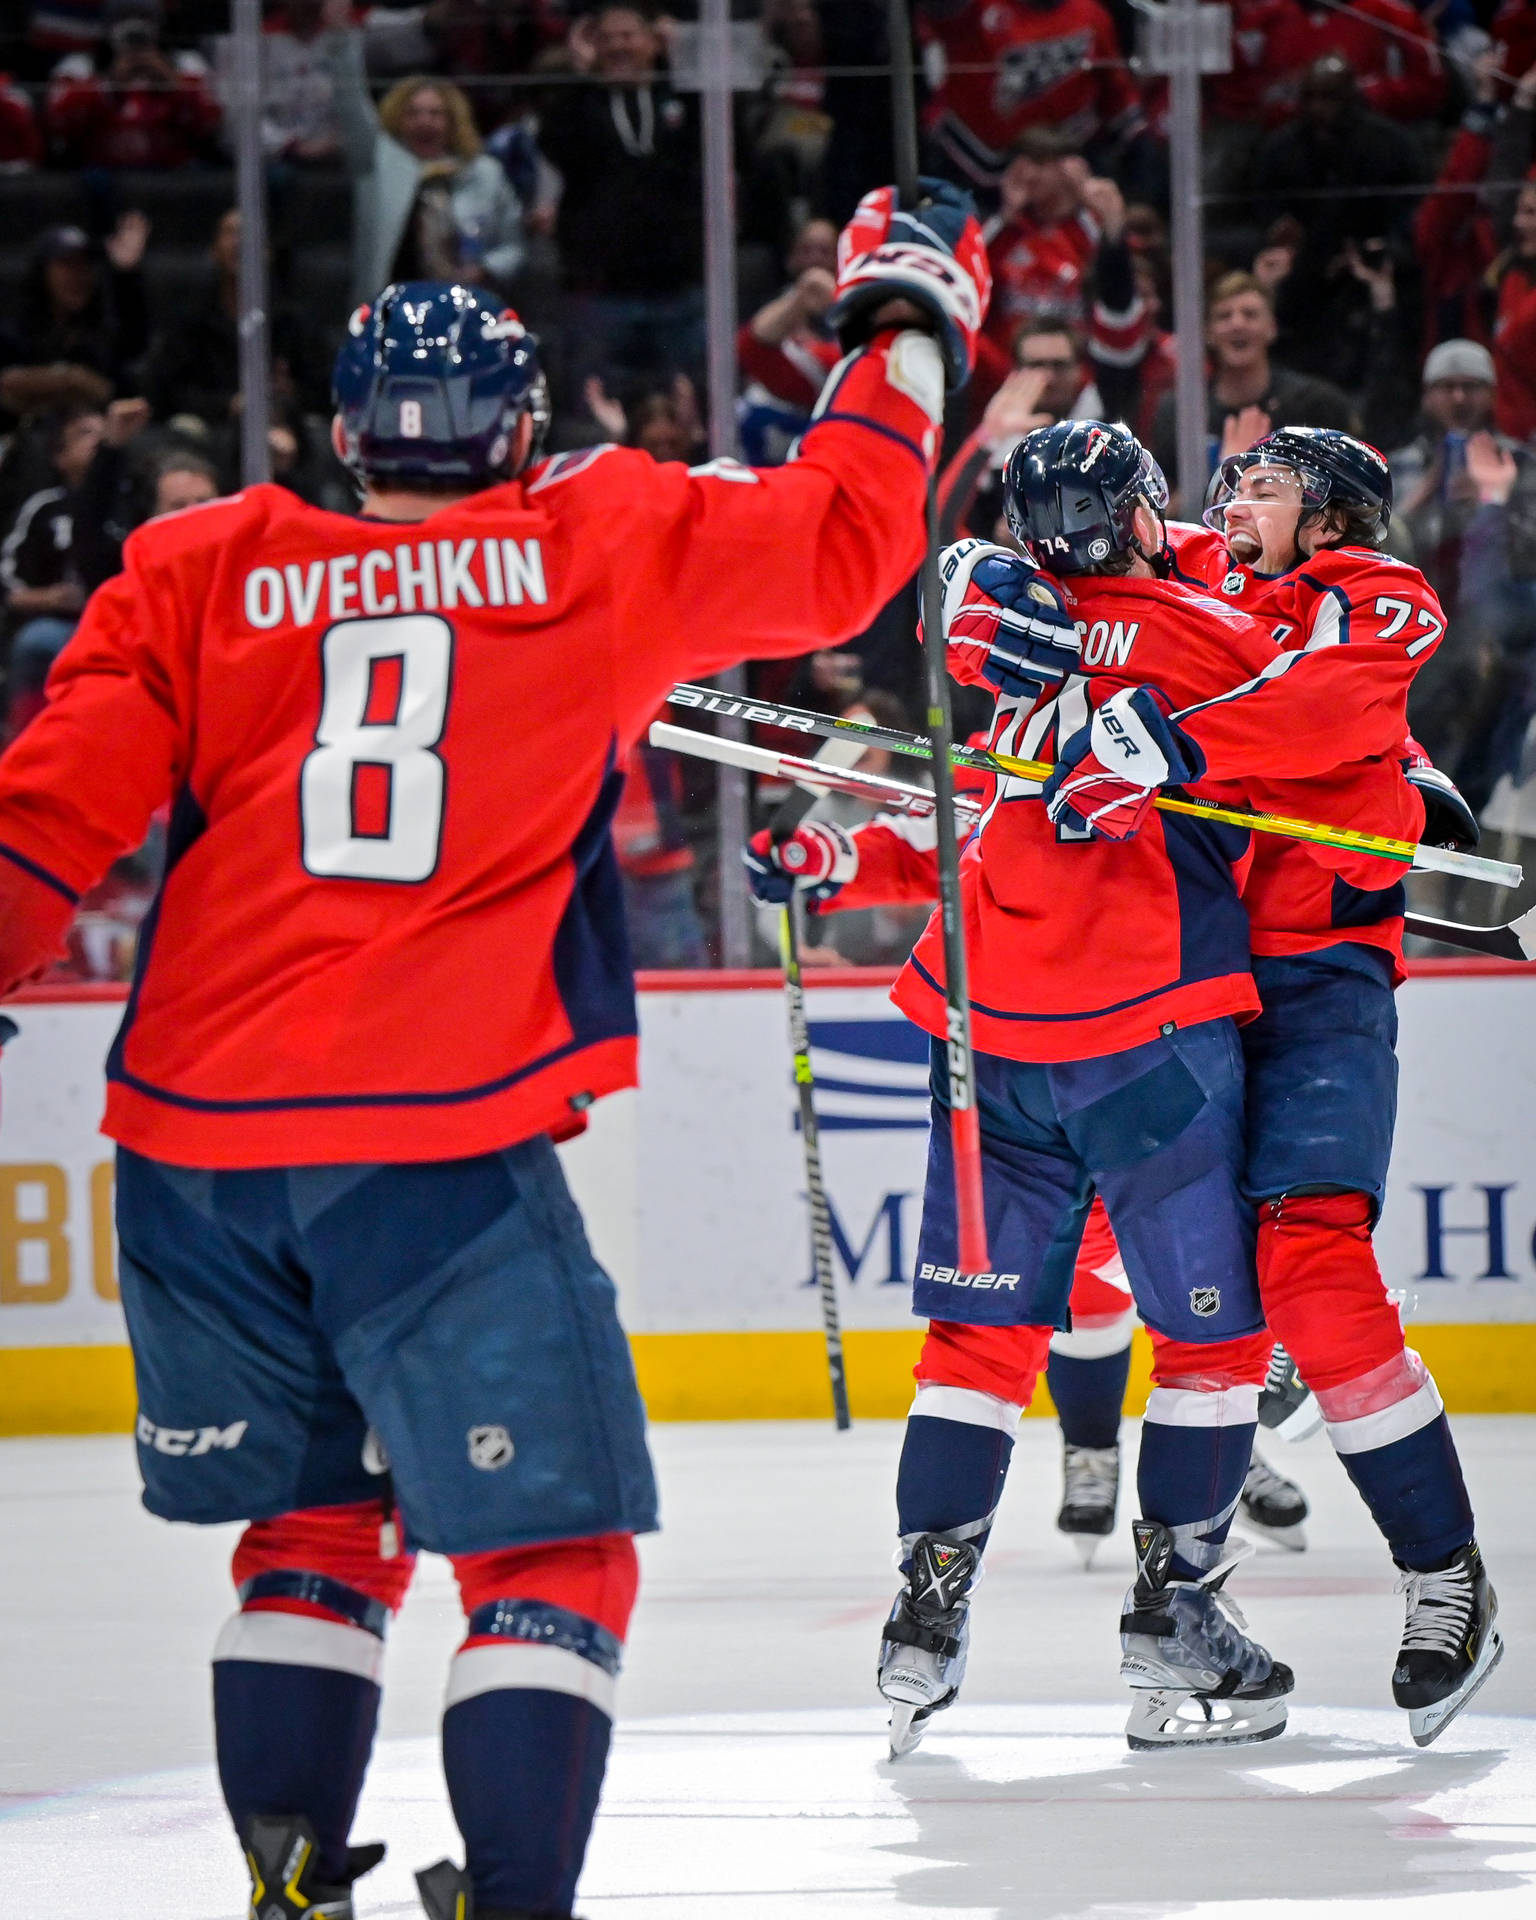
x=490, y=1448
x=1233, y=583
x=1204, y=1301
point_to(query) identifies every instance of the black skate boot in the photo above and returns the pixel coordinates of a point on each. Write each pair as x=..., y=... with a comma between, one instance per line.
x=447, y=1895
x=923, y=1647
x=1273, y=1507
x=1198, y=1680
x=1287, y=1405
x=1450, y=1643
x=280, y=1855
x=1090, y=1491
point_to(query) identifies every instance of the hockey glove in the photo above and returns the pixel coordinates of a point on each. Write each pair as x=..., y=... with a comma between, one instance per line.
x=818, y=858
x=932, y=255
x=1109, y=771
x=1004, y=623
x=1448, y=820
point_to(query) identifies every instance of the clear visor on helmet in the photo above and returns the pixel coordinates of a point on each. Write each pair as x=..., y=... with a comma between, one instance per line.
x=1153, y=483
x=1255, y=476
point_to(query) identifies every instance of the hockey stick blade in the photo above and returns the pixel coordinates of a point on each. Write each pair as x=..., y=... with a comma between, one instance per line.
x=1469, y=866
x=1516, y=940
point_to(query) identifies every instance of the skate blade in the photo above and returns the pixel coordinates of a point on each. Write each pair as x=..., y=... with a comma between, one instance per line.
x=1166, y=1717
x=908, y=1725
x=1300, y=1423
x=1426, y=1724
x=1087, y=1545
x=1293, y=1539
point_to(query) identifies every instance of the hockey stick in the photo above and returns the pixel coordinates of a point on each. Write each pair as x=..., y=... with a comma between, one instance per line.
x=1516, y=940
x=815, y=777
x=787, y=817
x=1470, y=866
x=964, y=1119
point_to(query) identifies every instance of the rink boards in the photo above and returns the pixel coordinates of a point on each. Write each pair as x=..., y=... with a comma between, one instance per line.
x=693, y=1189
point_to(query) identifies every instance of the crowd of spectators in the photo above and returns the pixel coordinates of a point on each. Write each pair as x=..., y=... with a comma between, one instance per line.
x=1370, y=226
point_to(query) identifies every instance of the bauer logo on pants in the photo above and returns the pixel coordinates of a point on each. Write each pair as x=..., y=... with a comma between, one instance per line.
x=1205, y=1301
x=490, y=1448
x=953, y=1277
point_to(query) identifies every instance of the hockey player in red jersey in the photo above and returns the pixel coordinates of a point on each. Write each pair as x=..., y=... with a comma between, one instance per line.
x=1297, y=522
x=892, y=860
x=386, y=966
x=1104, y=993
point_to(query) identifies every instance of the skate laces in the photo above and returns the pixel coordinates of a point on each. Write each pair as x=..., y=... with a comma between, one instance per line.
x=1278, y=1379
x=1439, y=1609
x=1091, y=1476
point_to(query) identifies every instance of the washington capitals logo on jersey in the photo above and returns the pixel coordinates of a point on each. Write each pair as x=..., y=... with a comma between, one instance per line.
x=1034, y=67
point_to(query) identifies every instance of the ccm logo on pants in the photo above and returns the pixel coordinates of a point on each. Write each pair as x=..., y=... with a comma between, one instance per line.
x=190, y=1441
x=951, y=1277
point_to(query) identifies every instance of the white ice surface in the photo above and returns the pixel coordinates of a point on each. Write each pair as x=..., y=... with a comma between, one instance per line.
x=749, y=1780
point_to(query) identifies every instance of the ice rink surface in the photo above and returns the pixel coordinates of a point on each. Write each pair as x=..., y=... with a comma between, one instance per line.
x=749, y=1780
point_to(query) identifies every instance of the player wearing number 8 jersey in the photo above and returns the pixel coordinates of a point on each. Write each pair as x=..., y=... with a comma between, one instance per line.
x=386, y=965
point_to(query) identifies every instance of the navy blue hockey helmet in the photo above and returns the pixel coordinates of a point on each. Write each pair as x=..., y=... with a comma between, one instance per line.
x=430, y=386
x=1071, y=491
x=1335, y=470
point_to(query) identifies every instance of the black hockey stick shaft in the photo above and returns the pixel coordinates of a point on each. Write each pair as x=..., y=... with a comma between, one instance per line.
x=965, y=1130
x=786, y=818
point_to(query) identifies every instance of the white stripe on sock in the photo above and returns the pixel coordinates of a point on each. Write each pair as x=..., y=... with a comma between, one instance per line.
x=518, y=1663
x=1097, y=1342
x=300, y=1640
x=1182, y=1407
x=1380, y=1429
x=967, y=1406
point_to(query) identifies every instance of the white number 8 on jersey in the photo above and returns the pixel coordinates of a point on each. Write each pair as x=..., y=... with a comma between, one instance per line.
x=346, y=740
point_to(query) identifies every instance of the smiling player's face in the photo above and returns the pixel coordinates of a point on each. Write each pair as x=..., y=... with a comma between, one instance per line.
x=1262, y=516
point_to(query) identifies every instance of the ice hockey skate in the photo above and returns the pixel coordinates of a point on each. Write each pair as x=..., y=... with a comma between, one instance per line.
x=446, y=1894
x=1450, y=1643
x=1196, y=1677
x=1273, y=1507
x=1090, y=1492
x=280, y=1855
x=1287, y=1405
x=923, y=1647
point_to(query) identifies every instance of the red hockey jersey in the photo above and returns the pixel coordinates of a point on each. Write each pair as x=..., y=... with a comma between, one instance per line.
x=390, y=927
x=1377, y=620
x=1008, y=65
x=1085, y=947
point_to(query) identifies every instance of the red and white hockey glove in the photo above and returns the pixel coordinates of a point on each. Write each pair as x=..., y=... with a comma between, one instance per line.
x=931, y=255
x=1448, y=820
x=818, y=857
x=1108, y=773
x=1004, y=622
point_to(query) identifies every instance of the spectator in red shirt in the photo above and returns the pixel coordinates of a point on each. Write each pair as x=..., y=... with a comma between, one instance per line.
x=1009, y=65
x=148, y=110
x=1514, y=325
x=1042, y=241
x=21, y=144
x=785, y=351
x=1058, y=255
x=1387, y=44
